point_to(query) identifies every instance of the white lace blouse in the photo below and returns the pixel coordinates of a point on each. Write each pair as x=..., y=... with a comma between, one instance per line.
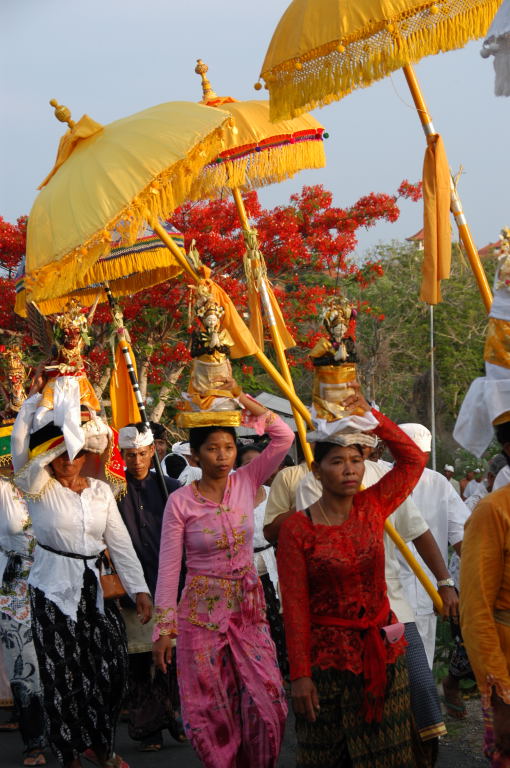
x=82, y=524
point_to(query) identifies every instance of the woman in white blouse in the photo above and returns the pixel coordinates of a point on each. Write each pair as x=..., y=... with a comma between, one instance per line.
x=79, y=638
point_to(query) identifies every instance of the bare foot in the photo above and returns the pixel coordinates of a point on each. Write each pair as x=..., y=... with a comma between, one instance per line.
x=454, y=704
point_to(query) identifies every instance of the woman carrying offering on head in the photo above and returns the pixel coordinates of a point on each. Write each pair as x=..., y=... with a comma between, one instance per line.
x=79, y=637
x=349, y=680
x=233, y=703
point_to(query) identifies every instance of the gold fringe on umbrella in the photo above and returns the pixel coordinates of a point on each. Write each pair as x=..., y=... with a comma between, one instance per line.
x=259, y=165
x=332, y=69
x=53, y=266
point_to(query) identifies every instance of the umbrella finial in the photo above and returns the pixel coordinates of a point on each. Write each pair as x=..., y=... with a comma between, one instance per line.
x=207, y=91
x=62, y=113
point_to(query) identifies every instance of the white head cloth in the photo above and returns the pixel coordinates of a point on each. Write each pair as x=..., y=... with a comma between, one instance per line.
x=420, y=434
x=181, y=449
x=448, y=468
x=130, y=437
x=350, y=430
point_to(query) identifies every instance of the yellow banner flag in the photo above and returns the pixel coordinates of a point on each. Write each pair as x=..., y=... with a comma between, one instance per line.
x=437, y=236
x=124, y=406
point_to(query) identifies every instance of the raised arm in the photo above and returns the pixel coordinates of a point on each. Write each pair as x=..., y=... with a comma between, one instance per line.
x=410, y=461
x=281, y=438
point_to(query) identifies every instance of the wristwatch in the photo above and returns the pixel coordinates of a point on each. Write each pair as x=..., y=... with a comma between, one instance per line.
x=445, y=583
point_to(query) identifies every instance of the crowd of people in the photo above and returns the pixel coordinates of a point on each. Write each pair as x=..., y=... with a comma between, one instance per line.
x=269, y=581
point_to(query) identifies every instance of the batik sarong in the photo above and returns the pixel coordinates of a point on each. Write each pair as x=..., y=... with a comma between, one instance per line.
x=83, y=668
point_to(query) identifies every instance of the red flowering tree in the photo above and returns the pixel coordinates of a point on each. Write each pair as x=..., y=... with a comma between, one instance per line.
x=309, y=249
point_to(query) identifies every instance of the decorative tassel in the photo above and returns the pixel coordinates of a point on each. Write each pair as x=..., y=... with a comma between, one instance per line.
x=300, y=85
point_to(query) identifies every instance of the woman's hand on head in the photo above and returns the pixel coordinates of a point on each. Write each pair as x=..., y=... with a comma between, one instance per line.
x=162, y=653
x=305, y=699
x=229, y=384
x=356, y=400
x=143, y=607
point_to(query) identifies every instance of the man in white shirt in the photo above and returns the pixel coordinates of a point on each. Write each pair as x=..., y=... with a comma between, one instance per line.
x=445, y=514
x=448, y=473
x=473, y=484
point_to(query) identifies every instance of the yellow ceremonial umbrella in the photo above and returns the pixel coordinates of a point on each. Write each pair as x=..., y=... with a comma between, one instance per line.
x=258, y=152
x=108, y=181
x=322, y=50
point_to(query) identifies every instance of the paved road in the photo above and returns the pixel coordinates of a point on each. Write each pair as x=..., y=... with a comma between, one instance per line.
x=182, y=756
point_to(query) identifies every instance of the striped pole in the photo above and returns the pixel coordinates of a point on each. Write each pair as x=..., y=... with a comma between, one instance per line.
x=124, y=346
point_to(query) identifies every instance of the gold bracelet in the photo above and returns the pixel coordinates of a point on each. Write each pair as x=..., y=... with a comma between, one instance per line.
x=165, y=632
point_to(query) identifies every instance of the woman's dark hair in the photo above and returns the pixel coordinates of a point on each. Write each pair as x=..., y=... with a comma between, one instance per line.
x=243, y=449
x=320, y=450
x=198, y=435
x=174, y=465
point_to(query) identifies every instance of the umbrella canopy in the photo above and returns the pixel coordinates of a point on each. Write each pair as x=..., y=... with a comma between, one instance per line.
x=322, y=50
x=107, y=182
x=257, y=152
x=148, y=247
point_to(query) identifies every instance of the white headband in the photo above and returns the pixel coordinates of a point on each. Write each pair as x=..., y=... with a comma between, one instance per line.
x=420, y=434
x=130, y=437
x=181, y=449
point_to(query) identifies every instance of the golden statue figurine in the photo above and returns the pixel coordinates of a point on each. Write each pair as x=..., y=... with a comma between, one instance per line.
x=12, y=387
x=71, y=337
x=334, y=360
x=208, y=400
x=14, y=379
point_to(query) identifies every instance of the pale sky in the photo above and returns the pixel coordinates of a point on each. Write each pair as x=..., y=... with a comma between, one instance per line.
x=110, y=58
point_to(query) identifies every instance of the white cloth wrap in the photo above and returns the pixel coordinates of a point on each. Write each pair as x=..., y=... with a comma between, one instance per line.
x=347, y=431
x=418, y=434
x=130, y=437
x=32, y=475
x=67, y=413
x=486, y=399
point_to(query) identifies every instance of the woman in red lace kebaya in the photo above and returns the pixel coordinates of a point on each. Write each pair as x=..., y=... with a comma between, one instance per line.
x=349, y=683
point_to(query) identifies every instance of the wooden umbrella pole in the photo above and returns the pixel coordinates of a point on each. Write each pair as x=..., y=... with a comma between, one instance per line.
x=275, y=336
x=455, y=204
x=126, y=353
x=261, y=357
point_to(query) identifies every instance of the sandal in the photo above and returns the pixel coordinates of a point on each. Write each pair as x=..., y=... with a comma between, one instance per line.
x=34, y=757
x=152, y=743
x=9, y=726
x=176, y=729
x=115, y=761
